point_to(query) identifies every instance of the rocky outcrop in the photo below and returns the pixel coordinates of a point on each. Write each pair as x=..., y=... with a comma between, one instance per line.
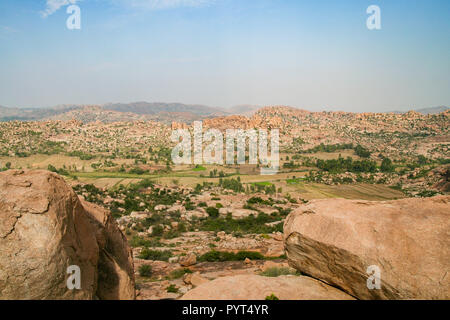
x=443, y=184
x=44, y=229
x=337, y=240
x=115, y=267
x=188, y=260
x=253, y=287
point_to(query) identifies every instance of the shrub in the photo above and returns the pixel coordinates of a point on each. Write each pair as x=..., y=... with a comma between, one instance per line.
x=362, y=152
x=145, y=270
x=137, y=241
x=137, y=171
x=254, y=200
x=148, y=254
x=212, y=212
x=272, y=297
x=221, y=256
x=172, y=289
x=422, y=160
x=386, y=165
x=176, y=274
x=427, y=193
x=182, y=227
x=249, y=224
x=242, y=255
x=157, y=231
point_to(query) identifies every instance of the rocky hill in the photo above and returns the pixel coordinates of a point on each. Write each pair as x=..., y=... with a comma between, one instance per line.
x=388, y=133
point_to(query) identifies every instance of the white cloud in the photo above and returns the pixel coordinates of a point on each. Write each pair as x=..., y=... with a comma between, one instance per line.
x=54, y=5
x=167, y=4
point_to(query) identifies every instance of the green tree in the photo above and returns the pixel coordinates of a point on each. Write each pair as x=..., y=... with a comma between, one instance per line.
x=422, y=160
x=212, y=212
x=386, y=165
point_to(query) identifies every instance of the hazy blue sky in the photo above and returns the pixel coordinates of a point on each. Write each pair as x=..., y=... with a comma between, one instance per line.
x=308, y=54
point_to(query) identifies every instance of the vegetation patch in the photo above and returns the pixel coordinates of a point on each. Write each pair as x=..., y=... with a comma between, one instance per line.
x=155, y=255
x=145, y=270
x=221, y=256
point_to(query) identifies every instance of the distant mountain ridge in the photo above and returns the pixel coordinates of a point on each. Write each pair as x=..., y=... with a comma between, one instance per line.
x=164, y=112
x=143, y=111
x=29, y=114
x=430, y=110
x=433, y=110
x=158, y=107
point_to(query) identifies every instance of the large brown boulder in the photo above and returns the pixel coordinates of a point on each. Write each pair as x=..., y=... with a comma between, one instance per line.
x=44, y=229
x=408, y=240
x=253, y=287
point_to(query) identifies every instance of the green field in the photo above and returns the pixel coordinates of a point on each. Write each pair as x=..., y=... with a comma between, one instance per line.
x=290, y=182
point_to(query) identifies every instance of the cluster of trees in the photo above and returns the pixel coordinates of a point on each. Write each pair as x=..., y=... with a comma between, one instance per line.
x=60, y=171
x=232, y=184
x=359, y=150
x=221, y=256
x=250, y=224
x=138, y=170
x=262, y=187
x=81, y=155
x=387, y=165
x=214, y=174
x=330, y=147
x=346, y=165
x=362, y=152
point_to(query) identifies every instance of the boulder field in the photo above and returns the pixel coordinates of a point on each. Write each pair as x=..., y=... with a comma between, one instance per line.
x=347, y=249
x=344, y=249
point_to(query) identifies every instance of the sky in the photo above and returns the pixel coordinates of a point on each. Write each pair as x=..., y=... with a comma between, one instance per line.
x=315, y=55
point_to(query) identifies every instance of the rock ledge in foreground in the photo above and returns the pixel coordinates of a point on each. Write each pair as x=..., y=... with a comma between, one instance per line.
x=409, y=240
